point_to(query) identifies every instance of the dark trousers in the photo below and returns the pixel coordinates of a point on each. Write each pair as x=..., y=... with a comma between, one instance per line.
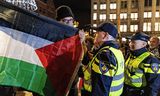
x=73, y=91
x=131, y=91
x=11, y=91
x=85, y=93
x=7, y=91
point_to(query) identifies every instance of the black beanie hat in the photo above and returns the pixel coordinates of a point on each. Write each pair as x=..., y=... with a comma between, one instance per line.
x=63, y=11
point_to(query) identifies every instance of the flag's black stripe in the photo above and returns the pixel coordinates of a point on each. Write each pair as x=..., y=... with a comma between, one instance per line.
x=33, y=23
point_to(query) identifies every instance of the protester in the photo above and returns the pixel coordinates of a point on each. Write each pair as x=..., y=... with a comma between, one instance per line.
x=154, y=46
x=66, y=16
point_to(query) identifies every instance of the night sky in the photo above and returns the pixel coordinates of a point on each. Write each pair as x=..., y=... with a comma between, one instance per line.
x=80, y=8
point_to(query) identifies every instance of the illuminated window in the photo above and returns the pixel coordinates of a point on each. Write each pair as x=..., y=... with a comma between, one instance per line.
x=157, y=14
x=124, y=39
x=147, y=14
x=157, y=26
x=113, y=6
x=134, y=16
x=95, y=6
x=95, y=25
x=112, y=16
x=123, y=28
x=102, y=17
x=146, y=26
x=123, y=16
x=102, y=6
x=133, y=28
x=94, y=16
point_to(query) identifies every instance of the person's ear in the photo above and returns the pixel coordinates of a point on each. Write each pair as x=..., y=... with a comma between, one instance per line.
x=104, y=35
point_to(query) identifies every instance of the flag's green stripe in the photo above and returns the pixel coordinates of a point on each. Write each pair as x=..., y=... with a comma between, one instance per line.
x=22, y=74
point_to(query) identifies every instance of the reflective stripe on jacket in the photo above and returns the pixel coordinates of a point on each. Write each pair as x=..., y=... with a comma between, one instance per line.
x=87, y=78
x=134, y=76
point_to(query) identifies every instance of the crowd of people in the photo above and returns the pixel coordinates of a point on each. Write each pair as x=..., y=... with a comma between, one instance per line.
x=107, y=71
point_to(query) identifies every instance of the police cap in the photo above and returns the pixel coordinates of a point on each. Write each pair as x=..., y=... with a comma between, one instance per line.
x=109, y=28
x=140, y=36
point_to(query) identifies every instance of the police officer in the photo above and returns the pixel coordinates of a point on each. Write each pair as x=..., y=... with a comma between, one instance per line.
x=142, y=74
x=107, y=65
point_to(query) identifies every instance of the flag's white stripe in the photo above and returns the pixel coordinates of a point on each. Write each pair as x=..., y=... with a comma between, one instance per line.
x=33, y=41
x=13, y=48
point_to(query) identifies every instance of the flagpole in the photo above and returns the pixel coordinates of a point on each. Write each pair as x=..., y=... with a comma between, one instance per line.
x=75, y=71
x=119, y=20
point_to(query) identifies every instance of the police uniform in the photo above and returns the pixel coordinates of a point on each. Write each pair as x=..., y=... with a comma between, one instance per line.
x=86, y=89
x=86, y=71
x=142, y=74
x=107, y=66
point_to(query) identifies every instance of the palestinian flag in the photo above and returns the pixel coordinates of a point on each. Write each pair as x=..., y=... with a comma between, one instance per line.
x=28, y=60
x=37, y=53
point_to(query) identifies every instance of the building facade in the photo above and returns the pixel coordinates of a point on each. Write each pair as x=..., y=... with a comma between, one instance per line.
x=46, y=8
x=130, y=16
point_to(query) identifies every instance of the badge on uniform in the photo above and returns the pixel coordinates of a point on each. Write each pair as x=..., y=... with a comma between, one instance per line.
x=155, y=67
x=103, y=68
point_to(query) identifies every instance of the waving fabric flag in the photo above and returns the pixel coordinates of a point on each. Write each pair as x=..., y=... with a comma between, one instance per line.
x=38, y=54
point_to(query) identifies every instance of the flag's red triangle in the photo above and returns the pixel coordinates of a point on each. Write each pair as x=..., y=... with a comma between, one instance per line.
x=60, y=60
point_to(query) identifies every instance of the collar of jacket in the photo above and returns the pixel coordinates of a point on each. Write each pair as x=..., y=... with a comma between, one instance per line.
x=113, y=44
x=154, y=48
x=139, y=51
